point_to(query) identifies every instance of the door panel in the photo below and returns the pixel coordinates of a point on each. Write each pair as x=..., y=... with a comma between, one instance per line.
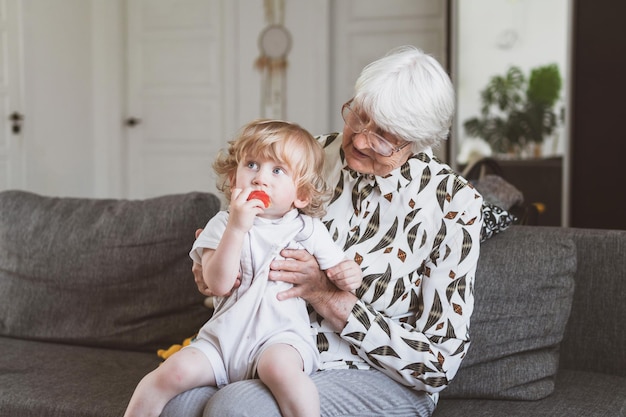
x=174, y=91
x=11, y=146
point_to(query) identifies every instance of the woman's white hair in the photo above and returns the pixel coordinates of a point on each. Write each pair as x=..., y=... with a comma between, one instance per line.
x=408, y=94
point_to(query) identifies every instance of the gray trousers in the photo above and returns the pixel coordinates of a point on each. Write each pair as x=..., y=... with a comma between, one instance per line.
x=345, y=393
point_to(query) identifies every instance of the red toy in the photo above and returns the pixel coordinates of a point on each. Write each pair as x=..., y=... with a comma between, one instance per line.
x=260, y=195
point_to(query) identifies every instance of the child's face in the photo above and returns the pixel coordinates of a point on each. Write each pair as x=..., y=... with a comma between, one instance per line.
x=275, y=179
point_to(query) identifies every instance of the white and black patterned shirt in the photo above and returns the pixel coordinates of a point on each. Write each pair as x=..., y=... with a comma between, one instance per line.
x=415, y=234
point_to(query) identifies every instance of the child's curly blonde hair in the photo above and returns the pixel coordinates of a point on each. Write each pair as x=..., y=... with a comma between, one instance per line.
x=287, y=143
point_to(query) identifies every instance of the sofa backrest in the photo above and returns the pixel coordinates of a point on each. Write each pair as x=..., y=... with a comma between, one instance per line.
x=595, y=337
x=101, y=272
x=546, y=298
x=523, y=294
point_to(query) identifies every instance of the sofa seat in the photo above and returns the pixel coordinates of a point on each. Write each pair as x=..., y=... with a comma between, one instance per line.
x=79, y=379
x=54, y=379
x=576, y=394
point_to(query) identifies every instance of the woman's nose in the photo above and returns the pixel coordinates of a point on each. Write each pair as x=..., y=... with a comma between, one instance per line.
x=360, y=140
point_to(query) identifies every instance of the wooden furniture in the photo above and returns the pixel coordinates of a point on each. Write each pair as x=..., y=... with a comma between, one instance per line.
x=541, y=182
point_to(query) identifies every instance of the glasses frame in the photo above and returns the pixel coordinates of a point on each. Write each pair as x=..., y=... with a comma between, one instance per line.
x=378, y=139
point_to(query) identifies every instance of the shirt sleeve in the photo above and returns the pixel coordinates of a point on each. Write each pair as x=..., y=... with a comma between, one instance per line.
x=322, y=246
x=425, y=349
x=210, y=236
x=326, y=251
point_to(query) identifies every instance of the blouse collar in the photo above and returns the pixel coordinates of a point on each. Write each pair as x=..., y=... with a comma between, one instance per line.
x=400, y=177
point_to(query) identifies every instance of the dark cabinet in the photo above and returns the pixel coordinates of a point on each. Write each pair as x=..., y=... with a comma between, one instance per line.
x=541, y=182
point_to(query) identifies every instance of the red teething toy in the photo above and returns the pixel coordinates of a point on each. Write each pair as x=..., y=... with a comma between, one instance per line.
x=260, y=195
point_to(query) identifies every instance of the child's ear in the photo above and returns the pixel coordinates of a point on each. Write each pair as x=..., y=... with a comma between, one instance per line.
x=301, y=201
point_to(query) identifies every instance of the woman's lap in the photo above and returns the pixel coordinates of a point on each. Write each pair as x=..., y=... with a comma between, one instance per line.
x=342, y=393
x=190, y=403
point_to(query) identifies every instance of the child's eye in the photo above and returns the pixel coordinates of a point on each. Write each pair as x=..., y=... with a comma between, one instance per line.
x=278, y=171
x=252, y=165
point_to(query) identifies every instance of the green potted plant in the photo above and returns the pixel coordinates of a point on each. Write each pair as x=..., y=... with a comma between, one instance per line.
x=516, y=112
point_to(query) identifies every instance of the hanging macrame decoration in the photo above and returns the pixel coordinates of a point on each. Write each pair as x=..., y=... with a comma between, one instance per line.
x=274, y=45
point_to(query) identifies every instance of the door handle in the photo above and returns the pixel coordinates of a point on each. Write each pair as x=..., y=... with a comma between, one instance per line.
x=17, y=120
x=132, y=121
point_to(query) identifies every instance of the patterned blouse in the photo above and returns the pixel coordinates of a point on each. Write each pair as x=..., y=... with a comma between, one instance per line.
x=415, y=234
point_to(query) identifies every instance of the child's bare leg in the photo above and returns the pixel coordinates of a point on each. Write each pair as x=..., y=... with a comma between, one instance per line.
x=184, y=370
x=281, y=369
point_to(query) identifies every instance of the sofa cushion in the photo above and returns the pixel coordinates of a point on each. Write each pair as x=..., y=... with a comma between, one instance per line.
x=576, y=394
x=54, y=379
x=522, y=304
x=100, y=272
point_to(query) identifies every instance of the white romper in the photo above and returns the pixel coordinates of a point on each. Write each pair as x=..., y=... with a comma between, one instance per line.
x=251, y=319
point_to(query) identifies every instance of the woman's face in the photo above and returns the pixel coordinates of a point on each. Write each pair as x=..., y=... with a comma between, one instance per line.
x=362, y=158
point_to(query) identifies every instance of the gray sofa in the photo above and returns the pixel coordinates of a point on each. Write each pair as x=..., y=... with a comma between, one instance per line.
x=90, y=289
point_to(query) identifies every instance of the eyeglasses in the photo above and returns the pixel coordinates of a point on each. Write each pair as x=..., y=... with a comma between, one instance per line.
x=375, y=141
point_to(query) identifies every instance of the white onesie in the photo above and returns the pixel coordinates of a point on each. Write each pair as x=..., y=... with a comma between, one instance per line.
x=251, y=319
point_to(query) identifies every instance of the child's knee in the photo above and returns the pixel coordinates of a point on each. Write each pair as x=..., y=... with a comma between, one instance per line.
x=177, y=371
x=278, y=362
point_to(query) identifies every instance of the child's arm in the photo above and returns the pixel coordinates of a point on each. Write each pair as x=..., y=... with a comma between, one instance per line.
x=219, y=271
x=346, y=275
x=220, y=267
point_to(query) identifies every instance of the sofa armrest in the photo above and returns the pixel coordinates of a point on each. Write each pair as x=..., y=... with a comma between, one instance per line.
x=595, y=336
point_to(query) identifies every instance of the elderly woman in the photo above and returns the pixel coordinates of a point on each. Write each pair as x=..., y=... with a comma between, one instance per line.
x=413, y=226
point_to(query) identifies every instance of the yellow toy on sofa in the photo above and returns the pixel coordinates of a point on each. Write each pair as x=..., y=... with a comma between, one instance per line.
x=166, y=353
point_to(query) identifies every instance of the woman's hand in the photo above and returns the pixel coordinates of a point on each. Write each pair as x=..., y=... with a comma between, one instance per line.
x=301, y=269
x=310, y=283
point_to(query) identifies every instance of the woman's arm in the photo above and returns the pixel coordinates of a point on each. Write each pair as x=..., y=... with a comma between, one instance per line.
x=425, y=349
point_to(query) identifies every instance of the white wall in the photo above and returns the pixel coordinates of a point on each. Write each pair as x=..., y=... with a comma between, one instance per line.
x=308, y=62
x=74, y=76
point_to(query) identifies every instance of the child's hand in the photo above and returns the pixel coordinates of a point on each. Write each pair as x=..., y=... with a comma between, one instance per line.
x=347, y=275
x=243, y=211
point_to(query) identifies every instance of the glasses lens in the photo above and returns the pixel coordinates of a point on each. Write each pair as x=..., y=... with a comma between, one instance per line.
x=380, y=144
x=351, y=119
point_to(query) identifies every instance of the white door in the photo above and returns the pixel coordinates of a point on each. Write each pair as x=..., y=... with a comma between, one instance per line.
x=177, y=99
x=11, y=113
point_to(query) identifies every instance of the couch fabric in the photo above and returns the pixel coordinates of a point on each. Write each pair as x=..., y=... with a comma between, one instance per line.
x=90, y=288
x=522, y=303
x=69, y=258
